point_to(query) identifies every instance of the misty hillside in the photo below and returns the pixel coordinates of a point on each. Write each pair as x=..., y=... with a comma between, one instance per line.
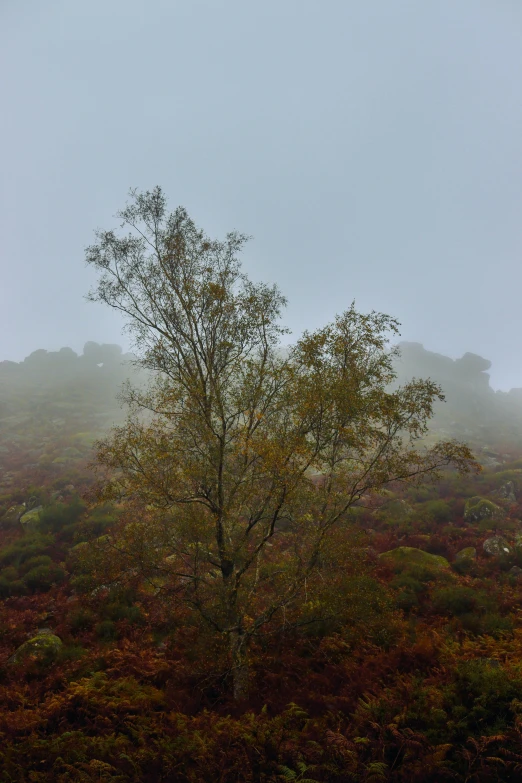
x=472, y=411
x=408, y=655
x=54, y=404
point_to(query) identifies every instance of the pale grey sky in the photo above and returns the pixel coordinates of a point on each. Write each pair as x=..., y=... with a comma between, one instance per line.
x=373, y=148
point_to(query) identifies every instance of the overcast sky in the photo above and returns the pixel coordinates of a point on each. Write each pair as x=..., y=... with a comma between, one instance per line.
x=371, y=147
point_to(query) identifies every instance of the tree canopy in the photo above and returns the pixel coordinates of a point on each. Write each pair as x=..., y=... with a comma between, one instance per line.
x=243, y=456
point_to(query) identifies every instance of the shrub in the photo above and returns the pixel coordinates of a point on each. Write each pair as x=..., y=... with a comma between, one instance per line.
x=5, y=587
x=83, y=583
x=8, y=576
x=488, y=693
x=488, y=624
x=422, y=494
x=437, y=510
x=121, y=611
x=35, y=562
x=18, y=587
x=81, y=620
x=408, y=582
x=407, y=600
x=59, y=515
x=29, y=546
x=71, y=652
x=43, y=577
x=455, y=600
x=106, y=630
x=10, y=573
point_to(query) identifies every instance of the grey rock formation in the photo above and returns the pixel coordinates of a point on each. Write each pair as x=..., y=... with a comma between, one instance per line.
x=478, y=508
x=496, y=546
x=508, y=491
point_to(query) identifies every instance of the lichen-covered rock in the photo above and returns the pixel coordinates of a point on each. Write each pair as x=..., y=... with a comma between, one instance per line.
x=13, y=514
x=468, y=553
x=478, y=508
x=508, y=491
x=516, y=572
x=45, y=645
x=496, y=546
x=30, y=519
x=409, y=555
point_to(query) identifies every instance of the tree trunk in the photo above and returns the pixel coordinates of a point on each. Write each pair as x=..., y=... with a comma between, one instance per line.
x=240, y=671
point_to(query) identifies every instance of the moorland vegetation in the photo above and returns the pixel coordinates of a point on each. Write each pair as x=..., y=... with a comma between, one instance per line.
x=278, y=564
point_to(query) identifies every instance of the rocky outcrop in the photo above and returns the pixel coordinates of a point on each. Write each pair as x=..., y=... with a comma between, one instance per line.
x=467, y=554
x=409, y=556
x=30, y=519
x=507, y=491
x=478, y=508
x=12, y=515
x=496, y=546
x=45, y=645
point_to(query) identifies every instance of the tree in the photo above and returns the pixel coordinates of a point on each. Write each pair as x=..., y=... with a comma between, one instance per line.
x=243, y=455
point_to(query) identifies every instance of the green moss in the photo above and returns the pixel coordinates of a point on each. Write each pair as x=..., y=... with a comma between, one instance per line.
x=478, y=508
x=43, y=646
x=405, y=556
x=30, y=519
x=468, y=553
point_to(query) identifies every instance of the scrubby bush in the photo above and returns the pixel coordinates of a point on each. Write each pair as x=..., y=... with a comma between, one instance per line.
x=31, y=545
x=422, y=494
x=407, y=600
x=487, y=624
x=81, y=620
x=17, y=587
x=56, y=517
x=121, y=611
x=489, y=695
x=455, y=600
x=106, y=630
x=35, y=562
x=70, y=652
x=436, y=511
x=83, y=583
x=97, y=523
x=10, y=573
x=43, y=577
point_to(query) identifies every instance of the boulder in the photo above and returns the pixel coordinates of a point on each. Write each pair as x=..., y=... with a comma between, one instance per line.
x=478, y=508
x=516, y=572
x=30, y=519
x=13, y=514
x=507, y=492
x=496, y=546
x=466, y=554
x=408, y=556
x=44, y=645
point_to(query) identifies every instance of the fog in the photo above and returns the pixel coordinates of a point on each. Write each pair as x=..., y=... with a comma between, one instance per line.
x=372, y=150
